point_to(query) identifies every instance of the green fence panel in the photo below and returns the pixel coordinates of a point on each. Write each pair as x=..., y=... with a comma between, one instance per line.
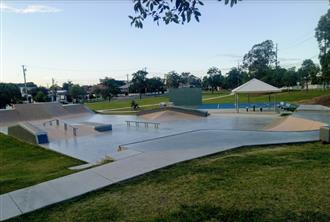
x=186, y=96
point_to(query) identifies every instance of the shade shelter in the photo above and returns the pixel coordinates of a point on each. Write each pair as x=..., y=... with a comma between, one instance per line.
x=254, y=86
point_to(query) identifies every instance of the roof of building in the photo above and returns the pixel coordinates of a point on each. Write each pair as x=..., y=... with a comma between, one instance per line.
x=256, y=86
x=127, y=85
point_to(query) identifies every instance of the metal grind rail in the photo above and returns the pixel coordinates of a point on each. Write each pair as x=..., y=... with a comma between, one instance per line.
x=66, y=125
x=138, y=123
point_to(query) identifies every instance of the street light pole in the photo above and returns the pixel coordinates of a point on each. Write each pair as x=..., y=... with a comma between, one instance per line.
x=25, y=87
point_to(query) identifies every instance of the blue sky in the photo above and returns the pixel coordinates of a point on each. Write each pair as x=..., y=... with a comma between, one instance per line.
x=84, y=41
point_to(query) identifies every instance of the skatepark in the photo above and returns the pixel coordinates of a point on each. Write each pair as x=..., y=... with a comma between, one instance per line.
x=115, y=148
x=71, y=128
x=142, y=143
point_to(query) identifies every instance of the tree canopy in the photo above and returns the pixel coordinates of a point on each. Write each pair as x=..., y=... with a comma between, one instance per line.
x=215, y=78
x=76, y=91
x=155, y=84
x=259, y=59
x=9, y=94
x=322, y=34
x=139, y=81
x=308, y=72
x=172, y=80
x=169, y=11
x=235, y=77
x=109, y=88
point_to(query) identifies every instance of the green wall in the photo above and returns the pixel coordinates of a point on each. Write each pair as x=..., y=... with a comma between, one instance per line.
x=186, y=96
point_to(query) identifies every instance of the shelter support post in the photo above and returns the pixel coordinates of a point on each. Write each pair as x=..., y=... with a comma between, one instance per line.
x=237, y=102
x=274, y=102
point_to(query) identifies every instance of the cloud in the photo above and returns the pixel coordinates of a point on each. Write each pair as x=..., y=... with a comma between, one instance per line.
x=30, y=9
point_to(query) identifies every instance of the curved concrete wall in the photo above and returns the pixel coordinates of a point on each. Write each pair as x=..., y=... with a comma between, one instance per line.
x=38, y=111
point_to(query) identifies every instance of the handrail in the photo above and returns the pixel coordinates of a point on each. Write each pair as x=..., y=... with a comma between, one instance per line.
x=74, y=129
x=146, y=124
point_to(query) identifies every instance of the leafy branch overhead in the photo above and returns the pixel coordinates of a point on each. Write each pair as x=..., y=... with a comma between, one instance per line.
x=168, y=11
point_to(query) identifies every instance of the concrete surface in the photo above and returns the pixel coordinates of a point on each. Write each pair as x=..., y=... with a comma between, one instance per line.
x=94, y=147
x=292, y=123
x=153, y=154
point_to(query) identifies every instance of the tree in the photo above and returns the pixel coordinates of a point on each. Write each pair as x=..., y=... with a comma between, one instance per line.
x=168, y=11
x=215, y=78
x=67, y=85
x=322, y=34
x=325, y=64
x=259, y=59
x=290, y=77
x=139, y=82
x=40, y=97
x=76, y=92
x=53, y=89
x=39, y=94
x=155, y=84
x=189, y=80
x=307, y=71
x=194, y=81
x=9, y=94
x=205, y=83
x=184, y=78
x=173, y=80
x=235, y=77
x=110, y=88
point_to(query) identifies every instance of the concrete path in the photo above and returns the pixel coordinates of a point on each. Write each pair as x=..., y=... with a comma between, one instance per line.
x=216, y=97
x=150, y=155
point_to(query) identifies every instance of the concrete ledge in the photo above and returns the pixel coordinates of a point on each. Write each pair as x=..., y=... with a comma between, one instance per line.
x=103, y=127
x=29, y=133
x=325, y=134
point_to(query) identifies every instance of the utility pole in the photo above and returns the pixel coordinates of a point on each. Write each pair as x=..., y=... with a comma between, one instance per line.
x=127, y=78
x=25, y=87
x=53, y=90
x=238, y=69
x=276, y=56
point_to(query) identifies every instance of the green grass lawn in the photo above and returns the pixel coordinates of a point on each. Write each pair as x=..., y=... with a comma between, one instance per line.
x=124, y=105
x=24, y=164
x=292, y=97
x=274, y=183
x=209, y=94
x=115, y=104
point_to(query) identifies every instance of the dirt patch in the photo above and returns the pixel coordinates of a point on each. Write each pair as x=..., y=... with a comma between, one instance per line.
x=320, y=100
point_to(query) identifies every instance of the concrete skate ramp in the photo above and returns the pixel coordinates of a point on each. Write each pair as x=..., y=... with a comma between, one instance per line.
x=313, y=108
x=39, y=111
x=29, y=133
x=8, y=116
x=292, y=123
x=169, y=115
x=74, y=109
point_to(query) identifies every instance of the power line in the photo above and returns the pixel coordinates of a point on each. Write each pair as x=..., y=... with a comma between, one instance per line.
x=80, y=70
x=298, y=44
